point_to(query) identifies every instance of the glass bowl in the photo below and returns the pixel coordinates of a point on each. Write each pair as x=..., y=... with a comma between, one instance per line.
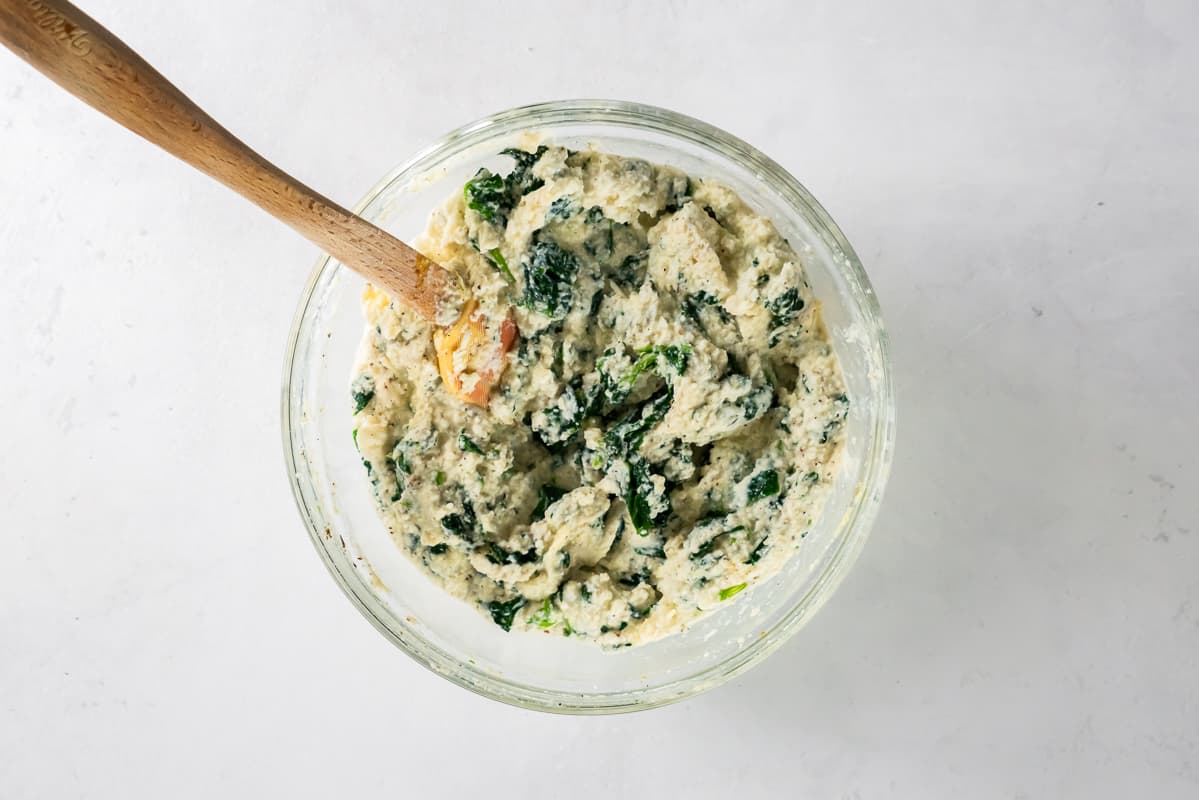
x=554, y=673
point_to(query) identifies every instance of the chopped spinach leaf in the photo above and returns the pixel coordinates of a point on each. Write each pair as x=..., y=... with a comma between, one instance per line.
x=693, y=306
x=362, y=391
x=439, y=549
x=546, y=496
x=630, y=274
x=487, y=194
x=637, y=497
x=756, y=402
x=497, y=258
x=680, y=194
x=637, y=578
x=558, y=423
x=498, y=555
x=467, y=445
x=464, y=525
x=504, y=613
x=640, y=613
x=493, y=197
x=520, y=180
x=439, y=477
x=559, y=209
x=764, y=484
x=784, y=307
x=459, y=525
x=601, y=242
x=549, y=273
x=399, y=456
x=674, y=355
x=623, y=438
x=758, y=551
x=707, y=547
x=654, y=551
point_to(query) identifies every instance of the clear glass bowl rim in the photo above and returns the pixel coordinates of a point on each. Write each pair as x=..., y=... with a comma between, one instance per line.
x=854, y=527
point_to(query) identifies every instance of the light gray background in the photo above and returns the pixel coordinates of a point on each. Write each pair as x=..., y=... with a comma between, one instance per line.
x=1022, y=183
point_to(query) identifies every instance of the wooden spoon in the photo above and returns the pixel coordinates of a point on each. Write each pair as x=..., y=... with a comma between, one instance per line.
x=88, y=61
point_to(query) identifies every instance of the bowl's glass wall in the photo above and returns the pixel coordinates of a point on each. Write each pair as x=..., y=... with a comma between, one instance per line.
x=550, y=671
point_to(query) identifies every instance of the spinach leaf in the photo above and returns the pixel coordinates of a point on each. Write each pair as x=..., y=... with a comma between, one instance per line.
x=758, y=551
x=616, y=390
x=640, y=613
x=635, y=579
x=694, y=304
x=464, y=525
x=704, y=549
x=764, y=484
x=504, y=613
x=630, y=273
x=467, y=445
x=680, y=194
x=439, y=549
x=650, y=552
x=784, y=307
x=756, y=402
x=675, y=354
x=493, y=197
x=559, y=422
x=644, y=512
x=623, y=438
x=487, y=194
x=546, y=496
x=498, y=555
x=520, y=180
x=600, y=241
x=549, y=273
x=559, y=209
x=707, y=547
x=497, y=258
x=362, y=391
x=399, y=490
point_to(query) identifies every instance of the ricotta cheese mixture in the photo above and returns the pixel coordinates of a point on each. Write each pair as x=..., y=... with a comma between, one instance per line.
x=667, y=426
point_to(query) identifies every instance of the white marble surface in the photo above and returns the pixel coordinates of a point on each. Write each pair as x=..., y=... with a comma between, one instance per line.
x=1023, y=185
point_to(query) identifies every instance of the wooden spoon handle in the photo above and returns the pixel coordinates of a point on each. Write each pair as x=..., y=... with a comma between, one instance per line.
x=78, y=54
